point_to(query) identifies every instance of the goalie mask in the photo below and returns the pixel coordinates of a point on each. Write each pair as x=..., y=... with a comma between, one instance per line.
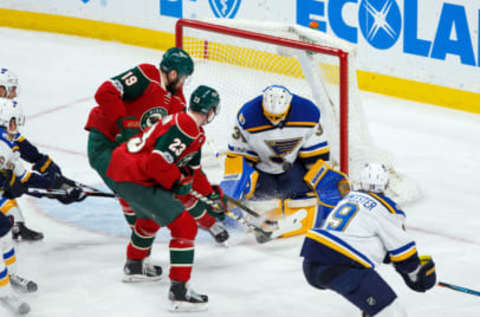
x=205, y=100
x=374, y=178
x=9, y=82
x=11, y=115
x=276, y=103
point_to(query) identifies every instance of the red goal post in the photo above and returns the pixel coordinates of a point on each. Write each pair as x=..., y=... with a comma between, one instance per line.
x=241, y=58
x=259, y=37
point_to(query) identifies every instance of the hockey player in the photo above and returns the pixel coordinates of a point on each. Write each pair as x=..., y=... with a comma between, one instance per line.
x=28, y=152
x=127, y=104
x=364, y=229
x=152, y=170
x=280, y=135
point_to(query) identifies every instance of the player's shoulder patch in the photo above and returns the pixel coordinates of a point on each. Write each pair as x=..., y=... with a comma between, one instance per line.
x=303, y=112
x=150, y=71
x=187, y=125
x=388, y=203
x=250, y=116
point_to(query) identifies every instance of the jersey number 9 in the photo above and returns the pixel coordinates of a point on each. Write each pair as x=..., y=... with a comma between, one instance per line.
x=342, y=215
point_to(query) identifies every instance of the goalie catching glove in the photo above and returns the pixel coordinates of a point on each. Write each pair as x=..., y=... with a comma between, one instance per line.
x=423, y=277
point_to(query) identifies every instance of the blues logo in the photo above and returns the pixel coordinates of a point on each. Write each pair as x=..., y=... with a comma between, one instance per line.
x=380, y=22
x=225, y=8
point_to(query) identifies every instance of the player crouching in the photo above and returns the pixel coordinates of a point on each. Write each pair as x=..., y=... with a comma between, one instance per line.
x=364, y=229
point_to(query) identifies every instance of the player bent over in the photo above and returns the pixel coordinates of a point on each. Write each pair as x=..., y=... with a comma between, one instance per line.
x=128, y=104
x=28, y=152
x=364, y=229
x=152, y=170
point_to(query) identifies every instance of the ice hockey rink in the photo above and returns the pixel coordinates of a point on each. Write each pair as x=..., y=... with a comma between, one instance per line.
x=78, y=266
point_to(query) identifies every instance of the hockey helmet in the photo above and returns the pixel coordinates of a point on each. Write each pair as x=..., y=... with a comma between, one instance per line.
x=374, y=178
x=177, y=59
x=10, y=109
x=203, y=99
x=9, y=81
x=276, y=103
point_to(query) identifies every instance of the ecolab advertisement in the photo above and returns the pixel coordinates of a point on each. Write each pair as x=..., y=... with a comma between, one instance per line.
x=431, y=41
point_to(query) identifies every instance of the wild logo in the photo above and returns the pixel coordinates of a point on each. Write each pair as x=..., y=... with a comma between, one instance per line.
x=151, y=116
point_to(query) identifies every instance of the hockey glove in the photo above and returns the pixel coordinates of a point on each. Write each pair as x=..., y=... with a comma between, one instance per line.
x=11, y=185
x=183, y=185
x=219, y=206
x=47, y=168
x=424, y=277
x=73, y=194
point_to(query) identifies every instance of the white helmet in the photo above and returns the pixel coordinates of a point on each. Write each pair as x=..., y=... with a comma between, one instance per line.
x=374, y=178
x=8, y=80
x=276, y=103
x=10, y=109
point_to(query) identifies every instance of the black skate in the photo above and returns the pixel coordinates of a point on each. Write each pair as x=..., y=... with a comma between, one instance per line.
x=22, y=284
x=141, y=271
x=184, y=299
x=15, y=304
x=20, y=232
x=219, y=233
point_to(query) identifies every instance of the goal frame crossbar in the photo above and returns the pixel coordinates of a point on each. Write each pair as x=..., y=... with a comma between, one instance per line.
x=259, y=37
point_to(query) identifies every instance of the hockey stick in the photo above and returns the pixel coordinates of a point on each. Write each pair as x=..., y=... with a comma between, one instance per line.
x=265, y=230
x=459, y=288
x=53, y=193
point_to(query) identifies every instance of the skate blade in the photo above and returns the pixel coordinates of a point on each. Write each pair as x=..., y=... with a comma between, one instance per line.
x=180, y=306
x=138, y=278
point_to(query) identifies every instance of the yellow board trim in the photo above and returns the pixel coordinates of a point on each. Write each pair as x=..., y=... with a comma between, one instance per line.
x=368, y=81
x=322, y=240
x=86, y=28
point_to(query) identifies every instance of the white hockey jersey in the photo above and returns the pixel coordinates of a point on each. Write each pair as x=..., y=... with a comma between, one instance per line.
x=363, y=228
x=275, y=148
x=10, y=157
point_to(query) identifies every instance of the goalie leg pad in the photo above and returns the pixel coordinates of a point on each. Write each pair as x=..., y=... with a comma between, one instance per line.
x=240, y=178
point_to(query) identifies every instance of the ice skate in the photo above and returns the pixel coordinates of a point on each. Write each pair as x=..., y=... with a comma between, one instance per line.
x=141, y=271
x=219, y=233
x=184, y=299
x=22, y=284
x=21, y=232
x=15, y=304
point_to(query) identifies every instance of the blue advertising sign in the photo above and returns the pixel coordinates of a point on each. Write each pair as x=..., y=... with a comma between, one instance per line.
x=381, y=23
x=171, y=8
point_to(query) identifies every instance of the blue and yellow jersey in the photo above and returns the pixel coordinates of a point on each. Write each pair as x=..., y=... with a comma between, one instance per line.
x=364, y=228
x=272, y=147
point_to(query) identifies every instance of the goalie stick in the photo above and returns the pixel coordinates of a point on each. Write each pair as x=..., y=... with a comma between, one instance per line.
x=265, y=230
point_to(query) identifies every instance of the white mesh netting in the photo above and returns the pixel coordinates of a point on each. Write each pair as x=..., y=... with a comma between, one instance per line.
x=241, y=68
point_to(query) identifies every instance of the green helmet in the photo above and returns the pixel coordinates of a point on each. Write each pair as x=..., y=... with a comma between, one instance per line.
x=203, y=99
x=177, y=59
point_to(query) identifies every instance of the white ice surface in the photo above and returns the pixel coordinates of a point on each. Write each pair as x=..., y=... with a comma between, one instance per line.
x=79, y=270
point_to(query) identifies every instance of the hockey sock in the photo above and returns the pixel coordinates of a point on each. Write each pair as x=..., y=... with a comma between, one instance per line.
x=141, y=239
x=183, y=230
x=128, y=213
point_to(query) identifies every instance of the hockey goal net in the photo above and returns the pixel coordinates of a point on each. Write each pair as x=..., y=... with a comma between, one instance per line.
x=241, y=58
